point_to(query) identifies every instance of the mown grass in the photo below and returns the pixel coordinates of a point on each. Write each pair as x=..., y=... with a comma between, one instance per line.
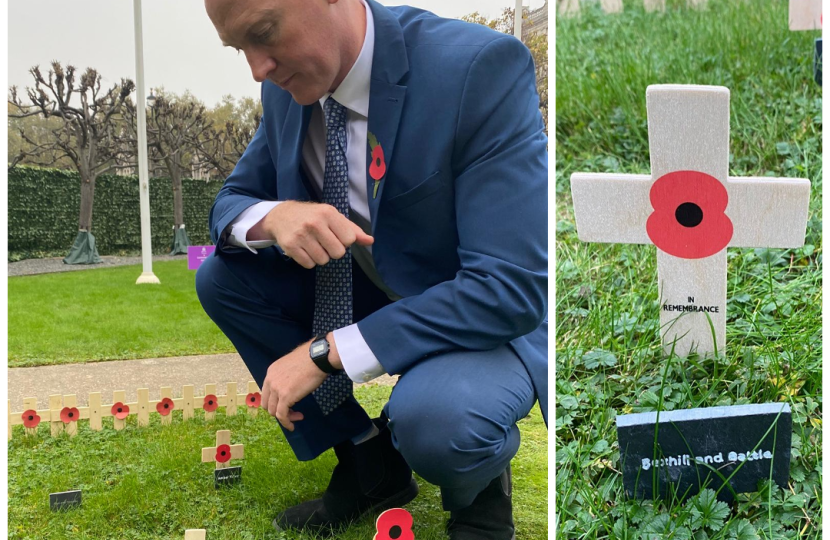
x=102, y=314
x=149, y=483
x=608, y=356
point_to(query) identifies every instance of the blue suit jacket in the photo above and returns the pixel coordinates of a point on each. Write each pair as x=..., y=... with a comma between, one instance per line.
x=460, y=217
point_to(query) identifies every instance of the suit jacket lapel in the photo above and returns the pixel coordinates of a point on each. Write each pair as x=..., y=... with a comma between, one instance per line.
x=291, y=159
x=389, y=65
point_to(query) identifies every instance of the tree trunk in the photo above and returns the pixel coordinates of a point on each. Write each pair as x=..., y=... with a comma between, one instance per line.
x=87, y=197
x=178, y=204
x=180, y=239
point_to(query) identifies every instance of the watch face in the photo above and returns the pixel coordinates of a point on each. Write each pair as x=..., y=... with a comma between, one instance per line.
x=318, y=348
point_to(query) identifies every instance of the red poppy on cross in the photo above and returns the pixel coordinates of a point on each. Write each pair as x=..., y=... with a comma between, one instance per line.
x=30, y=418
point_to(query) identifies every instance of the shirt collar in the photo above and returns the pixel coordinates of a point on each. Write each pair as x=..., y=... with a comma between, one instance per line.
x=353, y=92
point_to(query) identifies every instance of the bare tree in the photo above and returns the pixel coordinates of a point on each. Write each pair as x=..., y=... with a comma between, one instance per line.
x=86, y=135
x=27, y=138
x=175, y=127
x=222, y=148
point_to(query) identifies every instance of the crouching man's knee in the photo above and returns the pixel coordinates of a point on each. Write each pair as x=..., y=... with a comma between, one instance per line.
x=447, y=443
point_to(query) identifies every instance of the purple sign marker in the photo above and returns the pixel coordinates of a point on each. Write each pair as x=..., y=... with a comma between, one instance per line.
x=196, y=255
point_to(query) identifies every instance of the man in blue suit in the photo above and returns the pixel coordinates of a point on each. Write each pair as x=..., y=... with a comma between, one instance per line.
x=389, y=216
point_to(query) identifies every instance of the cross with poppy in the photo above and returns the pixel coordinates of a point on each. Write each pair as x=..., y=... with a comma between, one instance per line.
x=223, y=452
x=805, y=15
x=691, y=210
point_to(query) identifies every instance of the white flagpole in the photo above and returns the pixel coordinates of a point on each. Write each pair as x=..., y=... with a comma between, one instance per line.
x=147, y=275
x=517, y=20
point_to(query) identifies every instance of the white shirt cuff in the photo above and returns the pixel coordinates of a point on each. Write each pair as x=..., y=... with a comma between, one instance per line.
x=248, y=218
x=360, y=363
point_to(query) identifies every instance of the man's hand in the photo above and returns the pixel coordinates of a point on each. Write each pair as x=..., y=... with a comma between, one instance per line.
x=290, y=379
x=310, y=233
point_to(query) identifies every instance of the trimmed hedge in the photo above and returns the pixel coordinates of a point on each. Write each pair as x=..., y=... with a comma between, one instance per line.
x=44, y=205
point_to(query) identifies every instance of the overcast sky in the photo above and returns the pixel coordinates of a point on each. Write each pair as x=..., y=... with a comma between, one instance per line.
x=181, y=48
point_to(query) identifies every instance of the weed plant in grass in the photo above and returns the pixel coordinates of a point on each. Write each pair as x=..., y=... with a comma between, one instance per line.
x=149, y=483
x=102, y=314
x=608, y=354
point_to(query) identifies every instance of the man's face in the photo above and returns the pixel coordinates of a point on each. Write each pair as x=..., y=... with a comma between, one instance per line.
x=292, y=43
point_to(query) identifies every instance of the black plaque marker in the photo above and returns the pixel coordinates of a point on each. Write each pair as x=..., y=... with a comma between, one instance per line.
x=65, y=500
x=817, y=62
x=227, y=476
x=705, y=448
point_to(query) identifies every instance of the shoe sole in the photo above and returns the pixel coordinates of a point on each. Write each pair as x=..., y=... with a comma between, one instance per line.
x=395, y=501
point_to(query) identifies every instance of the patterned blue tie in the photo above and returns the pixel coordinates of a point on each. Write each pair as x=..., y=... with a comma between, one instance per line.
x=333, y=286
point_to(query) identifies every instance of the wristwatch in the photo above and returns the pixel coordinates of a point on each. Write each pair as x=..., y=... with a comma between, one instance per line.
x=319, y=352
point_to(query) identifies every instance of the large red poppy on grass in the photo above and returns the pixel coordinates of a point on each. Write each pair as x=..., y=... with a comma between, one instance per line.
x=223, y=453
x=253, y=399
x=69, y=414
x=689, y=219
x=120, y=411
x=30, y=418
x=394, y=524
x=210, y=403
x=165, y=406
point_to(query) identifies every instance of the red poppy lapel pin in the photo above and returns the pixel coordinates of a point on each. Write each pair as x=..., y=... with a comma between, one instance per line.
x=378, y=166
x=689, y=219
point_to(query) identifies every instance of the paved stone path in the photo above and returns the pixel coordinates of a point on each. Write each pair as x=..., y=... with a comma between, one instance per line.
x=28, y=267
x=129, y=375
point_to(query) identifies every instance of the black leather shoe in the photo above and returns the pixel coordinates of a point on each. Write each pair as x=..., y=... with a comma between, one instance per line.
x=369, y=478
x=490, y=517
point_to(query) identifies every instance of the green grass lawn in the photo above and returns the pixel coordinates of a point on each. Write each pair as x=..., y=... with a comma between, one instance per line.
x=149, y=483
x=608, y=355
x=102, y=314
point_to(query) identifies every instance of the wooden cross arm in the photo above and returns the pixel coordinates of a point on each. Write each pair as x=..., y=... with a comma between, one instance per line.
x=768, y=212
x=765, y=212
x=209, y=454
x=611, y=208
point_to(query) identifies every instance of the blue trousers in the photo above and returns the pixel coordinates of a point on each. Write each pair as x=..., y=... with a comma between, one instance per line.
x=452, y=416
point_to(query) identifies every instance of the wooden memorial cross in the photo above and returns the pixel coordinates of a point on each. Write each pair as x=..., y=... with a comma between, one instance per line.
x=805, y=15
x=222, y=454
x=223, y=444
x=691, y=210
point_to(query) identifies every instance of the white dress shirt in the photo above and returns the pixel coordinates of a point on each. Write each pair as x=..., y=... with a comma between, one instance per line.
x=360, y=363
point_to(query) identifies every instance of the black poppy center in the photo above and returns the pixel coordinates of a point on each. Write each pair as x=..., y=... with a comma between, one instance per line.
x=210, y=402
x=395, y=532
x=119, y=410
x=223, y=453
x=70, y=415
x=378, y=164
x=166, y=406
x=689, y=214
x=31, y=418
